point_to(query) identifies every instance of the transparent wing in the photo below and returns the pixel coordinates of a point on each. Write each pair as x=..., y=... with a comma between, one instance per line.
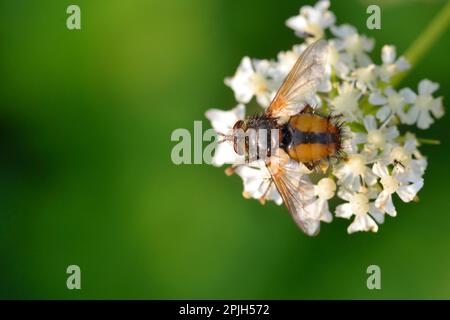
x=297, y=193
x=301, y=82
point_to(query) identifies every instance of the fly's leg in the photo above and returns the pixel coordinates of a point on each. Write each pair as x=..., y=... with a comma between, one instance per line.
x=262, y=199
x=230, y=170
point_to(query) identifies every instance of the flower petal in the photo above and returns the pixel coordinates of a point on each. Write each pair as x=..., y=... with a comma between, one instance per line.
x=437, y=108
x=412, y=114
x=223, y=121
x=362, y=223
x=427, y=87
x=391, y=133
x=239, y=83
x=388, y=54
x=297, y=23
x=402, y=64
x=344, y=211
x=370, y=123
x=389, y=207
x=408, y=192
x=408, y=95
x=225, y=154
x=425, y=120
x=383, y=113
x=376, y=213
x=380, y=169
x=343, y=30
x=377, y=99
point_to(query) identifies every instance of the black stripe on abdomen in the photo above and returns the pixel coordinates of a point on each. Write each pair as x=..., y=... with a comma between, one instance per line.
x=299, y=137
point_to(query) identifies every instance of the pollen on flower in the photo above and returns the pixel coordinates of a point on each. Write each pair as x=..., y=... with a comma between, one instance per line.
x=326, y=188
x=347, y=101
x=258, y=83
x=376, y=138
x=353, y=44
x=395, y=100
x=398, y=154
x=357, y=164
x=315, y=29
x=390, y=183
x=423, y=102
x=360, y=204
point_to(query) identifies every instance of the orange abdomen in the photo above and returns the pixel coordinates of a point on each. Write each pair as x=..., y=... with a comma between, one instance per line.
x=314, y=138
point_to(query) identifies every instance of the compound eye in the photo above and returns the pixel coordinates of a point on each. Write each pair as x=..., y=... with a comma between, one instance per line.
x=239, y=143
x=239, y=137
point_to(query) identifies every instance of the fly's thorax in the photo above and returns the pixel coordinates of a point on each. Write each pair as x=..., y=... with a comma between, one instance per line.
x=257, y=138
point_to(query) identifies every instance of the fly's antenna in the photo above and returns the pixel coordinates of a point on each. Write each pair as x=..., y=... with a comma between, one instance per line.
x=225, y=137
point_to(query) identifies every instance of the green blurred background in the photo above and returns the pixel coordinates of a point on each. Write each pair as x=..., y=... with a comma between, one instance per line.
x=86, y=176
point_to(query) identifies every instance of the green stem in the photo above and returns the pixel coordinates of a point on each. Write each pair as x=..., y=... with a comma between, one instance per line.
x=426, y=40
x=428, y=141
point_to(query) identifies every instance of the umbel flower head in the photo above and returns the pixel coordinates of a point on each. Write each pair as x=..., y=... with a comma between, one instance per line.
x=382, y=164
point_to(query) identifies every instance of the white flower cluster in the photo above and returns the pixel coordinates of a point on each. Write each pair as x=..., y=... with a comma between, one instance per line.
x=380, y=161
